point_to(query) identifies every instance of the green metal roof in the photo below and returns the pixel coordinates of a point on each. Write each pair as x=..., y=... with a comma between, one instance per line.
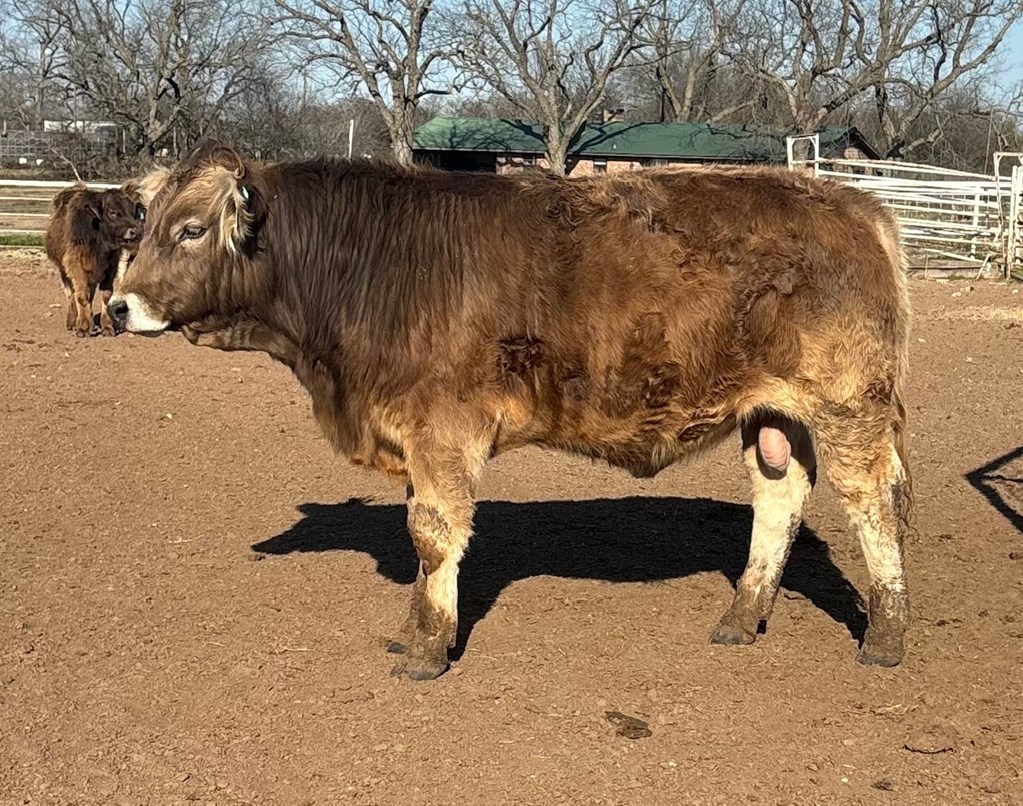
x=695, y=141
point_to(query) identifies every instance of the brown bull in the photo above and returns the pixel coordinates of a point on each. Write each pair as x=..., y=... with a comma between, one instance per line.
x=85, y=237
x=437, y=319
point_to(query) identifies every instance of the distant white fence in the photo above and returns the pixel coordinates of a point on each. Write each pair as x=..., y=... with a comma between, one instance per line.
x=25, y=204
x=949, y=219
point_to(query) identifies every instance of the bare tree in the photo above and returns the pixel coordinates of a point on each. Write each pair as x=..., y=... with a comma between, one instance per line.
x=156, y=68
x=388, y=48
x=551, y=59
x=821, y=56
x=959, y=41
x=687, y=39
x=29, y=58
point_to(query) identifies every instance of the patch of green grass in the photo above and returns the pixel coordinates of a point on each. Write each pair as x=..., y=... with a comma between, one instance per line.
x=21, y=240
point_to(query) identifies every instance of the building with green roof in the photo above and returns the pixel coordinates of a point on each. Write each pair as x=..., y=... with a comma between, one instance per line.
x=502, y=144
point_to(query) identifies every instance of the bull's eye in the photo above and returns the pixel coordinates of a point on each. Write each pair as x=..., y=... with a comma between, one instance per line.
x=192, y=232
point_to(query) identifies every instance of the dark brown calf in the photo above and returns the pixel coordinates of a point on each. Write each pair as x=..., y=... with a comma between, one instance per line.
x=86, y=235
x=437, y=319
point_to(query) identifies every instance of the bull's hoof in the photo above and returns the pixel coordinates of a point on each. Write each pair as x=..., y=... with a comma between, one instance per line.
x=396, y=648
x=879, y=650
x=82, y=332
x=732, y=635
x=420, y=668
x=875, y=659
x=880, y=654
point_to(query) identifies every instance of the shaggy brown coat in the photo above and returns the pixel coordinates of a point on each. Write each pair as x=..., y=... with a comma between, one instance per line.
x=86, y=234
x=437, y=319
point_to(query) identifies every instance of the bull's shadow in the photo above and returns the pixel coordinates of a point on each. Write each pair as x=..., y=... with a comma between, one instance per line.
x=619, y=540
x=996, y=474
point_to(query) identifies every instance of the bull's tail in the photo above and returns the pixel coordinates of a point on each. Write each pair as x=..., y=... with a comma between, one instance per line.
x=892, y=241
x=904, y=486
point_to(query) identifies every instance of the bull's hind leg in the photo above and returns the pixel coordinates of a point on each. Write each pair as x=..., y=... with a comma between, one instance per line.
x=864, y=464
x=399, y=646
x=779, y=496
x=440, y=510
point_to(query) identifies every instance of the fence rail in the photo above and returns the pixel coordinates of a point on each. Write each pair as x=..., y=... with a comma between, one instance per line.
x=25, y=206
x=948, y=218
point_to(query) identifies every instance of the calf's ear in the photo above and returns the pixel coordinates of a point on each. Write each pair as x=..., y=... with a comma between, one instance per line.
x=95, y=213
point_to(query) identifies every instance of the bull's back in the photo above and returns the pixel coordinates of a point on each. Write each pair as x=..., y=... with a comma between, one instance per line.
x=655, y=320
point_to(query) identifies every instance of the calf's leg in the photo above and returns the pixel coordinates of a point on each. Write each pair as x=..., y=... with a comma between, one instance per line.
x=83, y=316
x=779, y=495
x=82, y=289
x=106, y=324
x=71, y=316
x=440, y=510
x=106, y=290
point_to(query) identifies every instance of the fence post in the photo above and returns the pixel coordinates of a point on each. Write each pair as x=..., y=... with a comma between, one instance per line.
x=1014, y=246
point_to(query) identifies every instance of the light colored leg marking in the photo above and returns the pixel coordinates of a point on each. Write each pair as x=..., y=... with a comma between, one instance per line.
x=874, y=487
x=779, y=497
x=440, y=510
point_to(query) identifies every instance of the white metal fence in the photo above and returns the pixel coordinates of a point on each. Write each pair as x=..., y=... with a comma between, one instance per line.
x=949, y=219
x=25, y=204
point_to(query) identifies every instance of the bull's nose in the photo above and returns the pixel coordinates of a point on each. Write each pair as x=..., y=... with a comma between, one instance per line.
x=118, y=310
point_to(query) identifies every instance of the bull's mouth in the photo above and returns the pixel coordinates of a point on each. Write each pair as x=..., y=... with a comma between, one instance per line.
x=134, y=314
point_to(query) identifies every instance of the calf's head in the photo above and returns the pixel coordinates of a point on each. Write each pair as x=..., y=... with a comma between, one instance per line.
x=194, y=261
x=120, y=217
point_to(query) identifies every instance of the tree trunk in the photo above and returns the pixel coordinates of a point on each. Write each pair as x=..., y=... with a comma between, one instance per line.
x=556, y=161
x=401, y=141
x=557, y=151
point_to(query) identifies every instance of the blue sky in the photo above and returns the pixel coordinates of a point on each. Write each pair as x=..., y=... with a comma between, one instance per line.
x=1013, y=55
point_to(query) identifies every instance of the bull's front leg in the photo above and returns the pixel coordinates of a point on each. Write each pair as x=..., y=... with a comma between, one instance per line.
x=440, y=510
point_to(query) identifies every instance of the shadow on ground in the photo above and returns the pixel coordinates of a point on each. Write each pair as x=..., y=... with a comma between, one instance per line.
x=619, y=540
x=1004, y=491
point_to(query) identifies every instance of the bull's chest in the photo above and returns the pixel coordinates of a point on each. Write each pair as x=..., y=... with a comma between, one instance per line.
x=360, y=433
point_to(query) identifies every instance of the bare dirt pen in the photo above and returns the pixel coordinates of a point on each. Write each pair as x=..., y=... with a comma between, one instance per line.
x=195, y=595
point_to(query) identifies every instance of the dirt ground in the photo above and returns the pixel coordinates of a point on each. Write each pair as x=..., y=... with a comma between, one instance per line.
x=195, y=595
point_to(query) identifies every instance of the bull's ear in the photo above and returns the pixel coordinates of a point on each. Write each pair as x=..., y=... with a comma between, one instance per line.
x=226, y=156
x=236, y=203
x=150, y=184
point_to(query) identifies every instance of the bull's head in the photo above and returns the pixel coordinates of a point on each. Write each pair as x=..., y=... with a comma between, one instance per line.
x=196, y=249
